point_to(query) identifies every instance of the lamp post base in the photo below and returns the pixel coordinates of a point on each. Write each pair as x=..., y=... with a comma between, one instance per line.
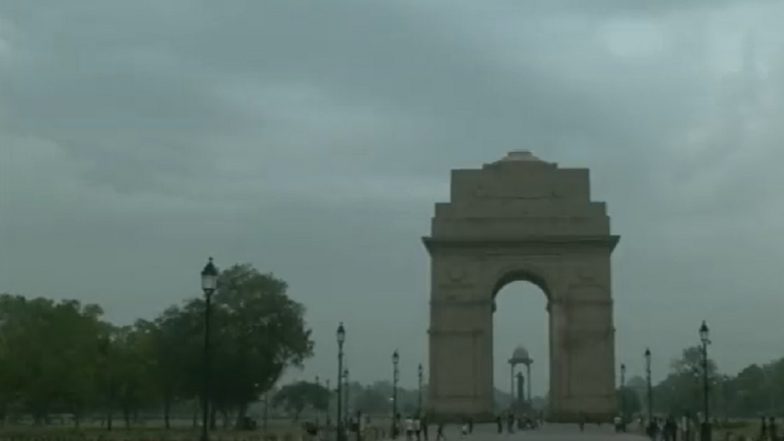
x=705, y=432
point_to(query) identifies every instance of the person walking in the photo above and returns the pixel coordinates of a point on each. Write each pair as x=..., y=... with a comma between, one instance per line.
x=499, y=423
x=440, y=432
x=774, y=436
x=670, y=429
x=418, y=428
x=425, y=428
x=653, y=430
x=763, y=428
x=409, y=428
x=510, y=423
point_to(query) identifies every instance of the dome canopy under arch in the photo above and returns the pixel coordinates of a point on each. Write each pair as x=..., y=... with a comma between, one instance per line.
x=520, y=355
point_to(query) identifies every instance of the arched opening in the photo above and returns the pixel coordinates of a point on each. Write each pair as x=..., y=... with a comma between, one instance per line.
x=521, y=319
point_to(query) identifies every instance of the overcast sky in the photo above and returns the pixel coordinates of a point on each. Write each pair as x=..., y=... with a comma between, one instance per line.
x=311, y=139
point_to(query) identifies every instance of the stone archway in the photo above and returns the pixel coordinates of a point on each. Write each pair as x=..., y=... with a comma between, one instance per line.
x=521, y=219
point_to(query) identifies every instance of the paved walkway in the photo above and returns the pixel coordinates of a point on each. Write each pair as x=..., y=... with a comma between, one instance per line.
x=550, y=432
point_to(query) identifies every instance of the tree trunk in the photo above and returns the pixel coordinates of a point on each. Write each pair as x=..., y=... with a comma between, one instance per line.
x=167, y=412
x=196, y=408
x=266, y=411
x=243, y=409
x=127, y=417
x=109, y=420
x=213, y=414
x=225, y=415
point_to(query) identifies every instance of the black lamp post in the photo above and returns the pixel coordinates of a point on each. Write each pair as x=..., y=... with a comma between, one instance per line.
x=623, y=394
x=705, y=339
x=341, y=339
x=395, y=362
x=209, y=283
x=648, y=381
x=419, y=390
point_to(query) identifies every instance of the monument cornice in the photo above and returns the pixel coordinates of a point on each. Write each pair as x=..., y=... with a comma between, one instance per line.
x=602, y=241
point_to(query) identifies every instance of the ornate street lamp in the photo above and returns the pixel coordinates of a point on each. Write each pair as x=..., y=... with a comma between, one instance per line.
x=341, y=339
x=395, y=362
x=209, y=283
x=648, y=381
x=705, y=340
x=419, y=390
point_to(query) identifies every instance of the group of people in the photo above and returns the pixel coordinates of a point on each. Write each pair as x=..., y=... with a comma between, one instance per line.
x=418, y=428
x=668, y=429
x=686, y=429
x=522, y=423
x=768, y=429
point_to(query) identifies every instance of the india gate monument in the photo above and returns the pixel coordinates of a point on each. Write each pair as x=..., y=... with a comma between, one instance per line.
x=521, y=218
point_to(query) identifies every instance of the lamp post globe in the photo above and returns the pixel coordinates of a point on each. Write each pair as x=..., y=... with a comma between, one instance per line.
x=209, y=283
x=341, y=333
x=704, y=333
x=209, y=277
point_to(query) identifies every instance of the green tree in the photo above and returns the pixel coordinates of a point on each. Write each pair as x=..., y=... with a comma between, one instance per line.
x=294, y=398
x=175, y=348
x=681, y=392
x=628, y=401
x=257, y=331
x=52, y=354
x=372, y=401
x=262, y=331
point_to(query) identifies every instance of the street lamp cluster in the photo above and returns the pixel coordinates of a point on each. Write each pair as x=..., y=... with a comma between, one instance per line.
x=343, y=383
x=705, y=425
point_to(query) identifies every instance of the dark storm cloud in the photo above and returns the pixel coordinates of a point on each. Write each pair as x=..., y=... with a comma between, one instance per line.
x=312, y=139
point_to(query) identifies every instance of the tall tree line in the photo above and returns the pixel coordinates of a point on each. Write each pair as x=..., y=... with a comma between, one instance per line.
x=757, y=390
x=62, y=357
